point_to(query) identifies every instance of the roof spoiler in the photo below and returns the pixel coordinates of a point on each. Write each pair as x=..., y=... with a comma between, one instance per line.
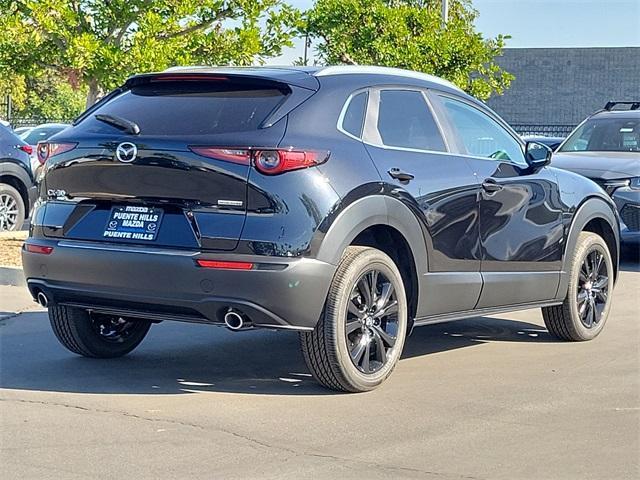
x=632, y=105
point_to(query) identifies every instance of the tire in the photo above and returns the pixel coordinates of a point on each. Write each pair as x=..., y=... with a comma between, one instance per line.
x=372, y=331
x=79, y=332
x=12, y=209
x=587, y=292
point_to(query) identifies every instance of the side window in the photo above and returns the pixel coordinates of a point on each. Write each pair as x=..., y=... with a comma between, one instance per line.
x=404, y=120
x=481, y=135
x=353, y=119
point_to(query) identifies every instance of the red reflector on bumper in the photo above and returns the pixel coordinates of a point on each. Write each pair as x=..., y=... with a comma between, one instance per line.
x=225, y=265
x=32, y=248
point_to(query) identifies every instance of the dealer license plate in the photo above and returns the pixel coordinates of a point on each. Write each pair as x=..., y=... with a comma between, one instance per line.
x=133, y=223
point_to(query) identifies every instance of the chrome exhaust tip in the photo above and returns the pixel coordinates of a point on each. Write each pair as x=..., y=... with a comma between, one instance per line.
x=235, y=320
x=42, y=299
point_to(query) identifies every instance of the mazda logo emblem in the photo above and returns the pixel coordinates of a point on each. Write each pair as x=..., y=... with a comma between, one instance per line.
x=126, y=152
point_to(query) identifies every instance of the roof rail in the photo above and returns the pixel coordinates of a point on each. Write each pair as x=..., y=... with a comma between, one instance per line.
x=633, y=105
x=375, y=70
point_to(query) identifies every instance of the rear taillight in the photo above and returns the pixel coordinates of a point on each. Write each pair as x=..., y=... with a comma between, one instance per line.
x=47, y=150
x=266, y=161
x=33, y=248
x=235, y=155
x=26, y=148
x=274, y=162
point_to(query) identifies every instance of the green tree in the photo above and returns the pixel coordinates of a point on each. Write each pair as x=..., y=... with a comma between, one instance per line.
x=102, y=42
x=410, y=34
x=50, y=96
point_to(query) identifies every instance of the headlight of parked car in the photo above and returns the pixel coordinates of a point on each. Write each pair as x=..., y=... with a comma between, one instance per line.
x=612, y=185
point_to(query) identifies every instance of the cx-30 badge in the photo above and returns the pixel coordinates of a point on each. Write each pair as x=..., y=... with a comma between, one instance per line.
x=126, y=152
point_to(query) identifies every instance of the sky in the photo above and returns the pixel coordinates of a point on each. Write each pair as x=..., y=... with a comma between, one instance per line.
x=542, y=23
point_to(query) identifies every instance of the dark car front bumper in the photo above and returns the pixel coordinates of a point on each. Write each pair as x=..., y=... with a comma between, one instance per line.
x=169, y=285
x=628, y=203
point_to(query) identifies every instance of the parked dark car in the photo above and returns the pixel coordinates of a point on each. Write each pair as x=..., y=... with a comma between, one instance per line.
x=38, y=134
x=606, y=149
x=17, y=190
x=22, y=130
x=42, y=132
x=349, y=204
x=551, y=142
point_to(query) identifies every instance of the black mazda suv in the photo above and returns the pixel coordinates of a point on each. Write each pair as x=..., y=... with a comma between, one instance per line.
x=349, y=204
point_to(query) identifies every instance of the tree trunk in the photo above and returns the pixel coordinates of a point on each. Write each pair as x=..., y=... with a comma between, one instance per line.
x=94, y=92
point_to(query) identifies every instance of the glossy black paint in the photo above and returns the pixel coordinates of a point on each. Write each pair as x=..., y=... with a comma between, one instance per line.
x=481, y=232
x=15, y=167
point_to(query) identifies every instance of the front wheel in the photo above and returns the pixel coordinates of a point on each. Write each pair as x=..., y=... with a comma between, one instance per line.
x=96, y=335
x=586, y=307
x=359, y=339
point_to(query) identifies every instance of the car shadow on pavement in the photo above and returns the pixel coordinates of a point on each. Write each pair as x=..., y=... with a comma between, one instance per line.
x=180, y=358
x=474, y=331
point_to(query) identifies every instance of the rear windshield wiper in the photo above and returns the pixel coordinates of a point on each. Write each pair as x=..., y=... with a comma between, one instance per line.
x=119, y=122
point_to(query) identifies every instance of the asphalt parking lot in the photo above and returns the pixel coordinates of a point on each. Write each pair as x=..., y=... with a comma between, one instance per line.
x=485, y=398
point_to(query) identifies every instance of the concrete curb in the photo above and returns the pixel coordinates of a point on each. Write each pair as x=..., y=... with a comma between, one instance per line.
x=12, y=276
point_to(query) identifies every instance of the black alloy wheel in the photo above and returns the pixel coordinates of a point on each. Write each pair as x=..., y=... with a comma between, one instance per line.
x=372, y=321
x=96, y=335
x=586, y=305
x=113, y=328
x=593, y=288
x=359, y=339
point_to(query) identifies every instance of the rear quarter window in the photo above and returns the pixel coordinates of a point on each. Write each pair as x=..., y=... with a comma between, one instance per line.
x=353, y=118
x=189, y=108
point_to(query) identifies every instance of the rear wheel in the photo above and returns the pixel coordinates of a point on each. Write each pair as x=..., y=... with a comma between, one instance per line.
x=96, y=335
x=359, y=339
x=586, y=307
x=12, y=210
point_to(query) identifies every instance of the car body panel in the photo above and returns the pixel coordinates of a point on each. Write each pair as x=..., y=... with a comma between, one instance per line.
x=599, y=165
x=521, y=231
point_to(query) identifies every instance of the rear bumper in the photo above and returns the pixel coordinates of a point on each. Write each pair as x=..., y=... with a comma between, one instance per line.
x=168, y=284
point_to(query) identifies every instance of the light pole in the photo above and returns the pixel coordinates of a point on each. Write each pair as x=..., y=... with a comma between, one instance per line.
x=445, y=12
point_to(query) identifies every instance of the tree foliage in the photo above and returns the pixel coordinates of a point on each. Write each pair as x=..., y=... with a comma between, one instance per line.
x=98, y=43
x=409, y=34
x=49, y=96
x=53, y=53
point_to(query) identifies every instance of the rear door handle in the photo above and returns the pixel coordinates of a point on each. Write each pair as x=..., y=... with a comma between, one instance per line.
x=398, y=174
x=490, y=185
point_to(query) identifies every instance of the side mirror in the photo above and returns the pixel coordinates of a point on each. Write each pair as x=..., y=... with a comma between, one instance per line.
x=537, y=154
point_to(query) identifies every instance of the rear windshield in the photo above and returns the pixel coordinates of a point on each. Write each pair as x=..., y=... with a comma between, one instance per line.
x=605, y=135
x=189, y=108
